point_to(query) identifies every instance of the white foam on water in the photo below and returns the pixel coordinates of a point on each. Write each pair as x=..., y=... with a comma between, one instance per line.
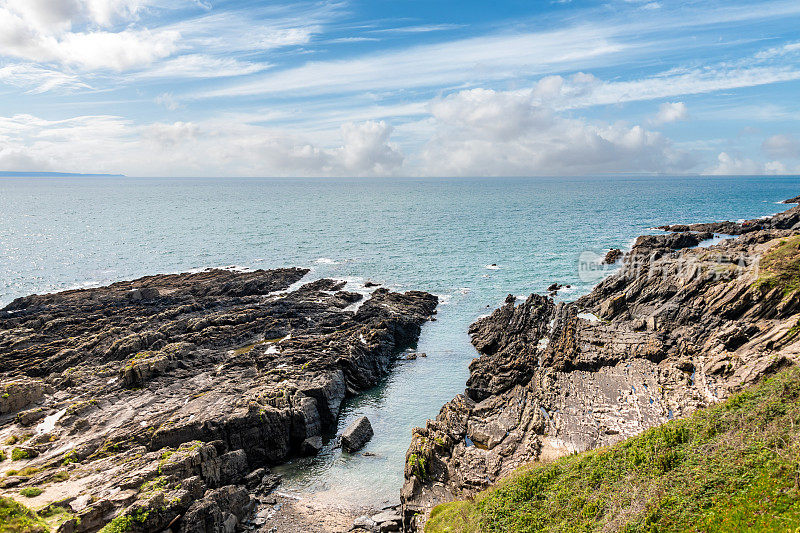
x=293, y=287
x=236, y=268
x=353, y=284
x=91, y=284
x=713, y=241
x=49, y=423
x=492, y=267
x=198, y=270
x=591, y=317
x=326, y=261
x=444, y=299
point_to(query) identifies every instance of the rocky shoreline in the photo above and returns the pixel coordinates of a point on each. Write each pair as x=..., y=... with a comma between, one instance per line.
x=160, y=403
x=678, y=327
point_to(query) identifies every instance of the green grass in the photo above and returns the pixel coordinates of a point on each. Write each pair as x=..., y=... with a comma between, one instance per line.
x=31, y=492
x=16, y=518
x=126, y=522
x=733, y=467
x=18, y=454
x=780, y=267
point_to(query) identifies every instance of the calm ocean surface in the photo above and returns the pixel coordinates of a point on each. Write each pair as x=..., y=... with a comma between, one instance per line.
x=437, y=235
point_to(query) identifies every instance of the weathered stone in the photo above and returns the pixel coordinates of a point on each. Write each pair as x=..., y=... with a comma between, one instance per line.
x=312, y=445
x=364, y=522
x=20, y=393
x=357, y=435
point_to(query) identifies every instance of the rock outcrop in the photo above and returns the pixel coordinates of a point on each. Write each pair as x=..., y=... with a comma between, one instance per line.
x=612, y=256
x=678, y=327
x=161, y=403
x=357, y=435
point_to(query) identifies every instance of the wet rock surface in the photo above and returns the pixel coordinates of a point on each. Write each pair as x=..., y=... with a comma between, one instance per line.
x=162, y=402
x=677, y=328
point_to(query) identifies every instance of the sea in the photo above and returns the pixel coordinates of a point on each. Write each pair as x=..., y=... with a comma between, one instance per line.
x=469, y=241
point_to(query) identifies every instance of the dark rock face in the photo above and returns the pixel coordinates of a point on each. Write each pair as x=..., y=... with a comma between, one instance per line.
x=612, y=256
x=166, y=395
x=357, y=435
x=675, y=329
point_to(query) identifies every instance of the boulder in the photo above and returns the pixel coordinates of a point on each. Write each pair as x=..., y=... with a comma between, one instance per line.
x=612, y=256
x=357, y=435
x=20, y=393
x=388, y=520
x=364, y=522
x=311, y=446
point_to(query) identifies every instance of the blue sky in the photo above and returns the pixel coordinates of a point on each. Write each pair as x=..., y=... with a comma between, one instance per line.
x=401, y=87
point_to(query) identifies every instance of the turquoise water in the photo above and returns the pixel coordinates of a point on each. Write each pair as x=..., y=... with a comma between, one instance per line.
x=437, y=235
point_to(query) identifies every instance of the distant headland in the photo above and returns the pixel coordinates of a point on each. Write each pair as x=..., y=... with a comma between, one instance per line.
x=15, y=174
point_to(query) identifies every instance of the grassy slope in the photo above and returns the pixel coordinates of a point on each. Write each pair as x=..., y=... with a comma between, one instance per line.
x=16, y=518
x=780, y=266
x=733, y=467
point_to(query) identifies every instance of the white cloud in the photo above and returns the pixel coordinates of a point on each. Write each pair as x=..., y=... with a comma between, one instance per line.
x=451, y=63
x=168, y=101
x=287, y=37
x=782, y=146
x=423, y=28
x=489, y=133
x=118, y=51
x=257, y=27
x=40, y=31
x=201, y=66
x=220, y=147
x=671, y=112
x=367, y=150
x=55, y=16
x=491, y=115
x=36, y=79
x=732, y=165
x=586, y=90
x=789, y=48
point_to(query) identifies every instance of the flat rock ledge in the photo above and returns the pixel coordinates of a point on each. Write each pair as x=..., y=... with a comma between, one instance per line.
x=161, y=403
x=677, y=328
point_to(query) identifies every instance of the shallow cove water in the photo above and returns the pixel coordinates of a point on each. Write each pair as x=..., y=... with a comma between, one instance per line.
x=440, y=235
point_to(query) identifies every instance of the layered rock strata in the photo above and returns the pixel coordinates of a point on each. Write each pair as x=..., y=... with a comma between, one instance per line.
x=676, y=328
x=163, y=401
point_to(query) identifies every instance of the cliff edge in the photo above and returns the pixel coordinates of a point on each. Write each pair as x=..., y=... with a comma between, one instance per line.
x=677, y=328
